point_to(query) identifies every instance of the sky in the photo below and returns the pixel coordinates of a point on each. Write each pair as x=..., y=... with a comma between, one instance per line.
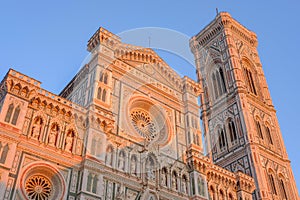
x=47, y=41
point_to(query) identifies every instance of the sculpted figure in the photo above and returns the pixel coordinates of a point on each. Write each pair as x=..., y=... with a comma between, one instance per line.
x=52, y=136
x=36, y=131
x=69, y=142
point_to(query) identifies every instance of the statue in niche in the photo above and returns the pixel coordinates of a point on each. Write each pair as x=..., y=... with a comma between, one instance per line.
x=163, y=180
x=121, y=161
x=36, y=129
x=69, y=141
x=133, y=165
x=184, y=186
x=174, y=184
x=53, y=135
x=150, y=174
x=109, y=156
x=109, y=191
x=78, y=147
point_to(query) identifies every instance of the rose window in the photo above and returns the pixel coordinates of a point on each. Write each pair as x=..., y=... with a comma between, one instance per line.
x=38, y=188
x=144, y=124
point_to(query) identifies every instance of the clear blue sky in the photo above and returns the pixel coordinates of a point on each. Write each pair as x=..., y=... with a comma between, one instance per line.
x=47, y=40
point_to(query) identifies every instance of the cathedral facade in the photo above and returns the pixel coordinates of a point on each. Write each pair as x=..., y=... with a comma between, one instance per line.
x=127, y=126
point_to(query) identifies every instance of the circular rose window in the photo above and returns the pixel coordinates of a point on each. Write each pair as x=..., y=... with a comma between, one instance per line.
x=38, y=187
x=143, y=124
x=149, y=121
x=41, y=181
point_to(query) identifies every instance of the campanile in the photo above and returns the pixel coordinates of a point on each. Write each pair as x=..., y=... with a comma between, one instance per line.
x=239, y=119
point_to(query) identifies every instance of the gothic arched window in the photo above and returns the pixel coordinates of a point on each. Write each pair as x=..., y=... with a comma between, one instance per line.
x=222, y=140
x=219, y=82
x=272, y=184
x=222, y=80
x=258, y=129
x=283, y=190
x=99, y=93
x=9, y=113
x=268, y=133
x=105, y=79
x=104, y=95
x=16, y=116
x=92, y=181
x=232, y=131
x=214, y=81
x=101, y=77
x=250, y=81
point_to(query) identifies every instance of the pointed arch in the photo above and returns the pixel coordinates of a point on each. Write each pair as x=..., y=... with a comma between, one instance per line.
x=232, y=130
x=9, y=113
x=104, y=95
x=258, y=129
x=268, y=134
x=105, y=78
x=99, y=93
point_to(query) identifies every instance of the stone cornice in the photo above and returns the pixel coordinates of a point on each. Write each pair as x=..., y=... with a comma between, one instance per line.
x=222, y=21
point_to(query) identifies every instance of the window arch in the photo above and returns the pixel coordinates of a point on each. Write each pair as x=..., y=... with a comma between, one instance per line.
x=9, y=113
x=283, y=190
x=104, y=95
x=212, y=193
x=268, y=134
x=99, y=93
x=221, y=139
x=214, y=81
x=272, y=183
x=105, y=79
x=101, y=76
x=16, y=115
x=221, y=195
x=232, y=131
x=249, y=80
x=92, y=181
x=230, y=197
x=258, y=129
x=222, y=81
x=219, y=82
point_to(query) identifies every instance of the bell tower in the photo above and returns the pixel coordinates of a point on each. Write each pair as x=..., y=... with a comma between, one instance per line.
x=239, y=119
